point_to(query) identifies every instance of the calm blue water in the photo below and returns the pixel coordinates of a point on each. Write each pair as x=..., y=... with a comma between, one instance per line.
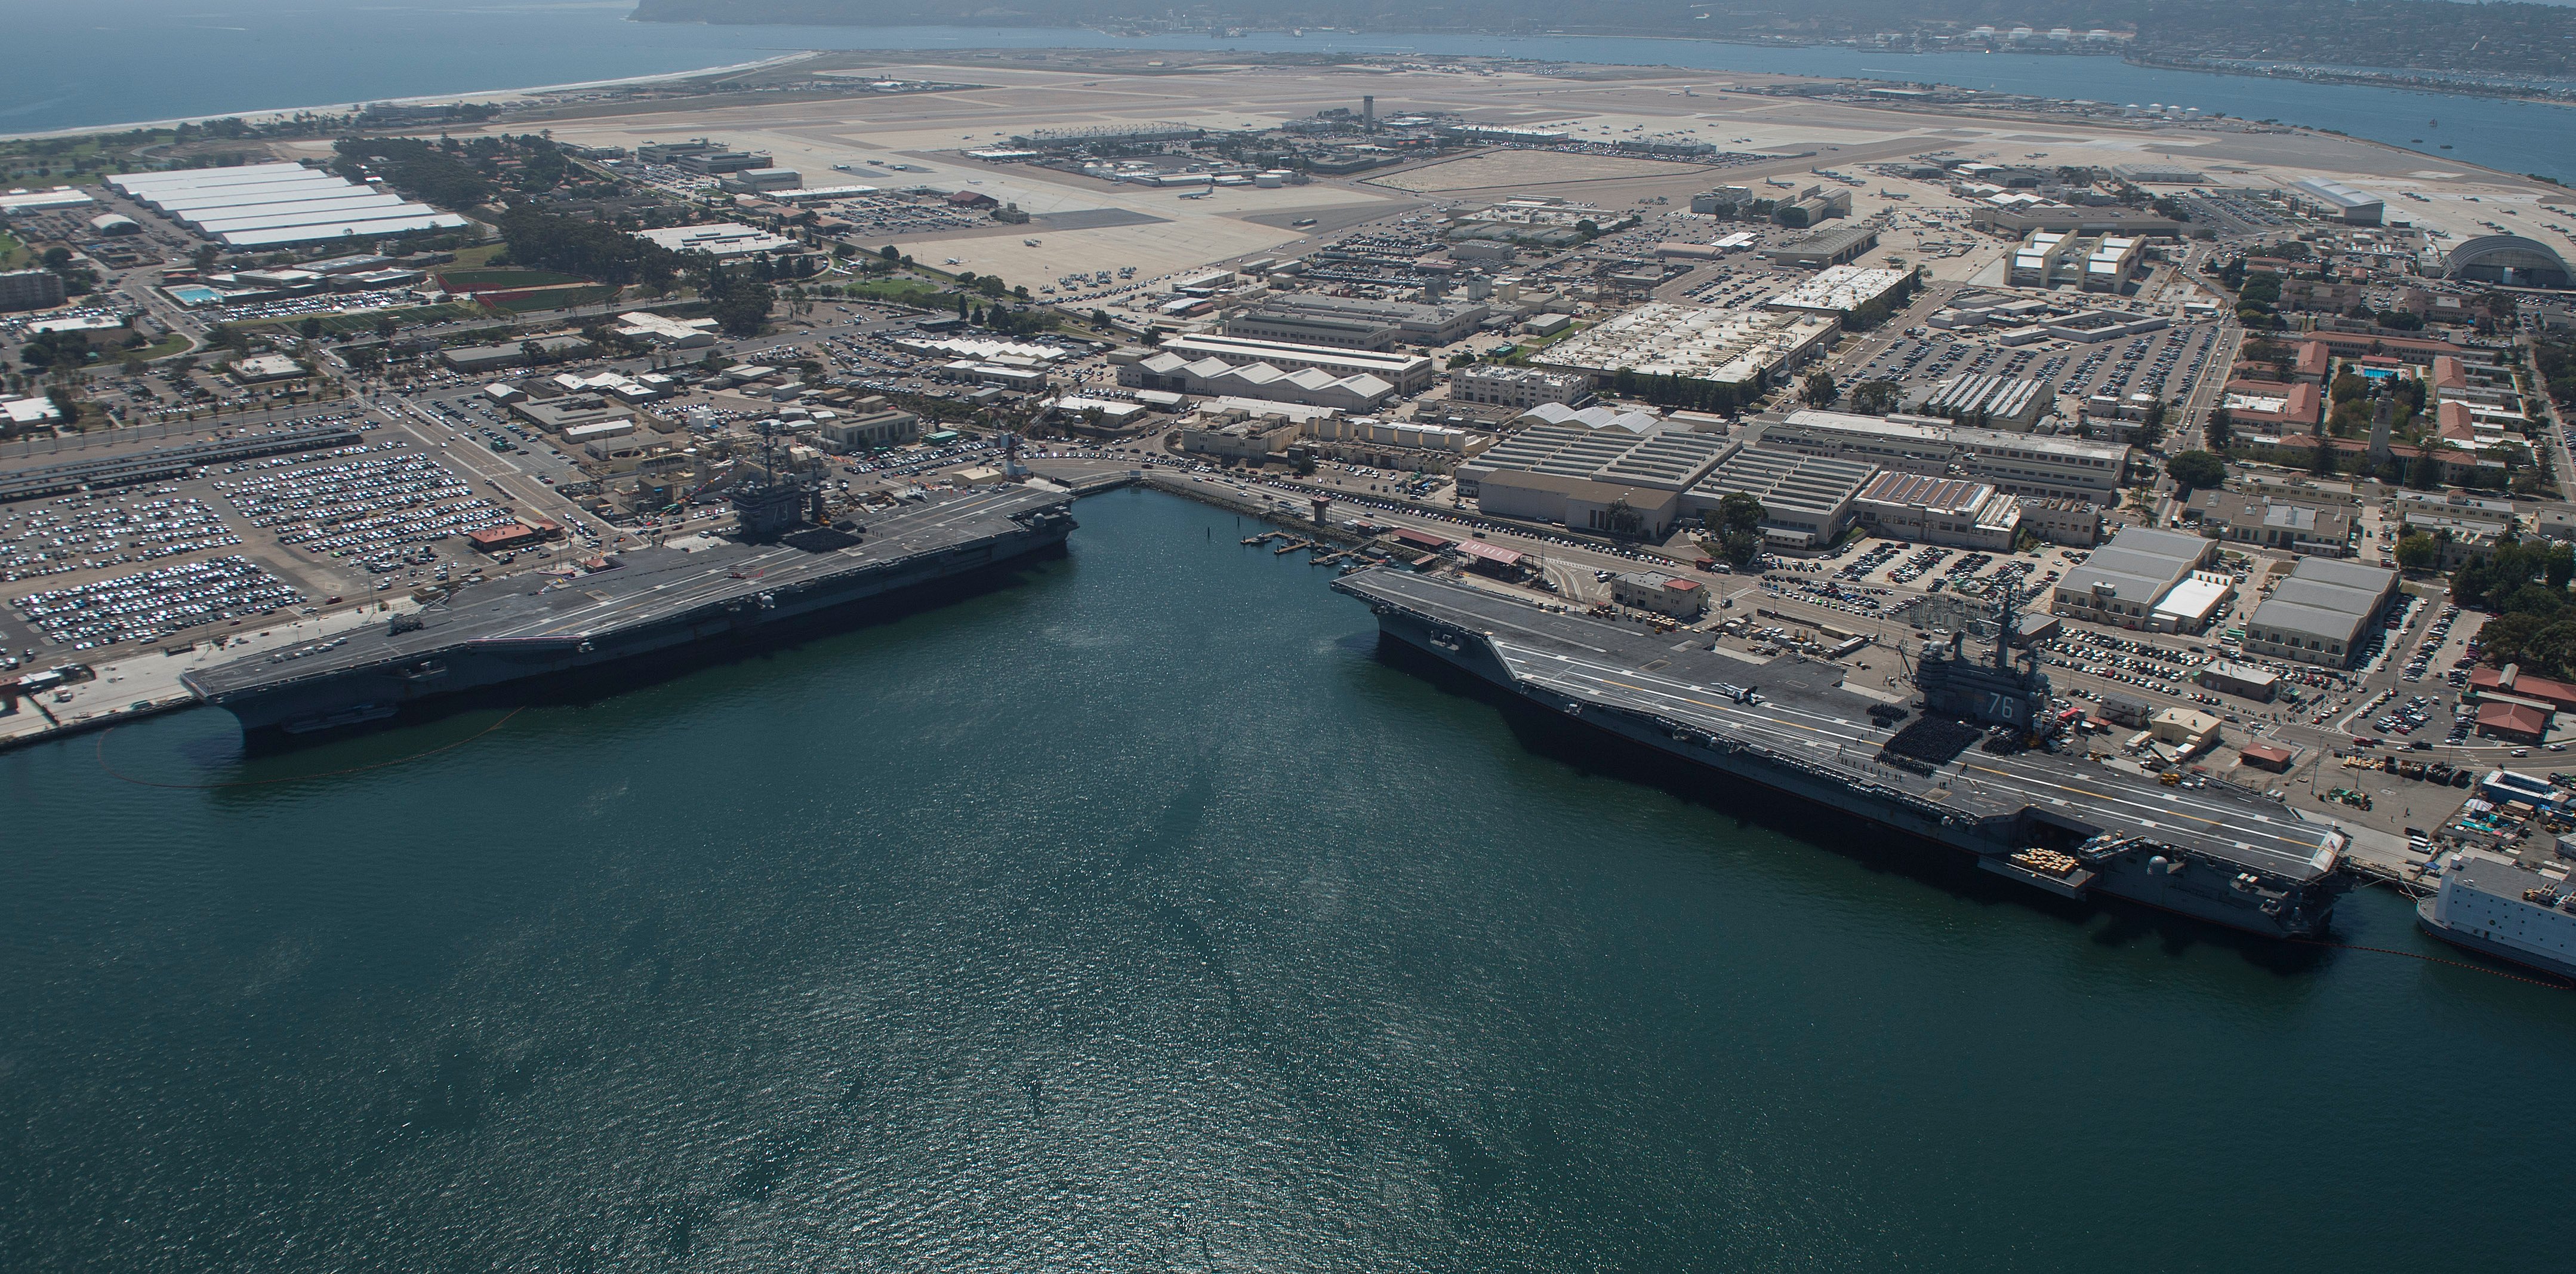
x=1140, y=917
x=101, y=62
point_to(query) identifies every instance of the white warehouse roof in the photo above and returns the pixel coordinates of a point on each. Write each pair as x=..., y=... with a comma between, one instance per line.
x=2336, y=193
x=268, y=205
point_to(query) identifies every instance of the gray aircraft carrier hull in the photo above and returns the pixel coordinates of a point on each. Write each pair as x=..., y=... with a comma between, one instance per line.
x=2134, y=868
x=662, y=607
x=2470, y=942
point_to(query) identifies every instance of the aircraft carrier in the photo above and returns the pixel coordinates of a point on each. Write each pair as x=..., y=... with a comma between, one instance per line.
x=659, y=601
x=1973, y=761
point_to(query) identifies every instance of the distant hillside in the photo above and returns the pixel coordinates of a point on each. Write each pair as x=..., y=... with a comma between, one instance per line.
x=2521, y=39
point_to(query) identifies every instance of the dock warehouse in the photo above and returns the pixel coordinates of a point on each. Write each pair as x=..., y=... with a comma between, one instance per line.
x=1837, y=246
x=2321, y=613
x=1840, y=289
x=1740, y=347
x=1806, y=500
x=1999, y=402
x=2024, y=465
x=1955, y=512
x=1408, y=373
x=1413, y=322
x=2339, y=201
x=2125, y=580
x=1595, y=479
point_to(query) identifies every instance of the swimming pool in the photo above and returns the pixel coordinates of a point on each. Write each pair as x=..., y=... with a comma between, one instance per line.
x=192, y=294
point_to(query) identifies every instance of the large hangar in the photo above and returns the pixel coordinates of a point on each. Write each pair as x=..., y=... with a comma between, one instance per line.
x=2509, y=259
x=272, y=205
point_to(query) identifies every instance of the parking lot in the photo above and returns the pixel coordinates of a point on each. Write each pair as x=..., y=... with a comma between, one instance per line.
x=150, y=605
x=105, y=567
x=471, y=417
x=93, y=530
x=2166, y=364
x=375, y=506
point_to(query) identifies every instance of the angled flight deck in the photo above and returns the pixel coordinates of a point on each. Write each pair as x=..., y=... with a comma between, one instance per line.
x=2047, y=816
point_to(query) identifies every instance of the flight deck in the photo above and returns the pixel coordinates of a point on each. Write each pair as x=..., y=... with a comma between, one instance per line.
x=1823, y=739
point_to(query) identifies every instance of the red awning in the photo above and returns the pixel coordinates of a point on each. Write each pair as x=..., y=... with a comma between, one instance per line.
x=1423, y=538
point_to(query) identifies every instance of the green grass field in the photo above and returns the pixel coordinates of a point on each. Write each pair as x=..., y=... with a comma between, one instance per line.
x=13, y=254
x=555, y=299
x=365, y=321
x=163, y=348
x=506, y=277
x=903, y=292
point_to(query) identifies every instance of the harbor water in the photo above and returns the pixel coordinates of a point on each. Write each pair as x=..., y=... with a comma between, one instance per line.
x=1142, y=914
x=93, y=65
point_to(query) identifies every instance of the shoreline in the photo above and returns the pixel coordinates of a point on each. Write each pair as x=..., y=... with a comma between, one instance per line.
x=1212, y=43
x=2384, y=79
x=500, y=95
x=508, y=97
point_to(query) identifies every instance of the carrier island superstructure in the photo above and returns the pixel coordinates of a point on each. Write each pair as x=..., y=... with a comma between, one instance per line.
x=1972, y=762
x=785, y=564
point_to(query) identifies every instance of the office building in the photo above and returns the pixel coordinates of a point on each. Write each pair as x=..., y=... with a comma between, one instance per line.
x=2043, y=465
x=870, y=422
x=1659, y=593
x=2075, y=523
x=30, y=289
x=1520, y=387
x=721, y=240
x=2241, y=518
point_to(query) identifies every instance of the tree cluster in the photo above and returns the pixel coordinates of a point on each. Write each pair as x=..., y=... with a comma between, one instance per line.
x=57, y=351
x=2517, y=578
x=587, y=248
x=415, y=167
x=1686, y=392
x=2555, y=360
x=739, y=299
x=1737, y=524
x=2195, y=470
